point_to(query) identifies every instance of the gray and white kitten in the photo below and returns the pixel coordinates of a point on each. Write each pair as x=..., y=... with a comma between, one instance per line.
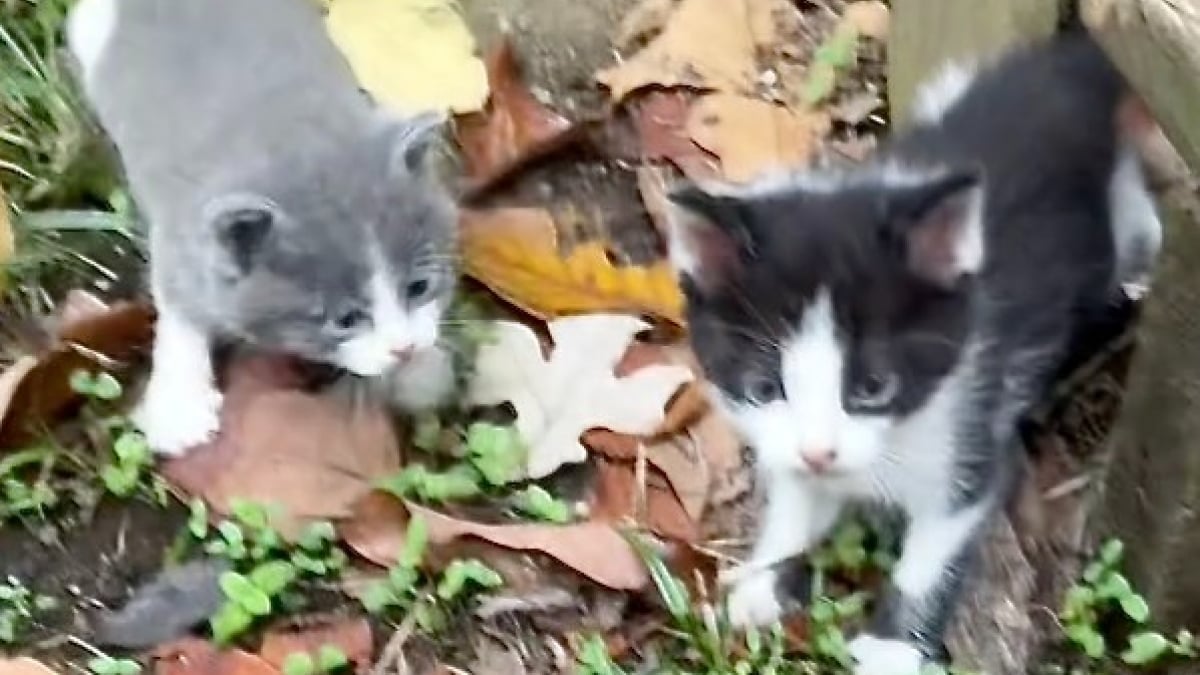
x=285, y=209
x=877, y=333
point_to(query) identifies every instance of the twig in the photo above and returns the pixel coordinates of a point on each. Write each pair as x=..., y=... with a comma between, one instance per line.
x=392, y=660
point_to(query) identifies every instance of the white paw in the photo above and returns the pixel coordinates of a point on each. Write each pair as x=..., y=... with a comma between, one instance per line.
x=753, y=600
x=1136, y=289
x=175, y=417
x=876, y=656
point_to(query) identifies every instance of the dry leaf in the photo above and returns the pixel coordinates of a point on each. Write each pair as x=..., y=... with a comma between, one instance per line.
x=616, y=500
x=351, y=635
x=375, y=528
x=411, y=55
x=88, y=340
x=871, y=18
x=24, y=665
x=721, y=448
x=514, y=252
x=8, y=243
x=192, y=656
x=752, y=137
x=686, y=470
x=707, y=44
x=595, y=550
x=661, y=121
x=514, y=129
x=313, y=456
x=643, y=21
x=575, y=389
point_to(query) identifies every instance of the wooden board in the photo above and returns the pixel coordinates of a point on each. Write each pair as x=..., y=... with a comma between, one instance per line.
x=1156, y=43
x=926, y=33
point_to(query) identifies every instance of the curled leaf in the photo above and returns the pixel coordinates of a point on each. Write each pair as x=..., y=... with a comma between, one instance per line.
x=514, y=251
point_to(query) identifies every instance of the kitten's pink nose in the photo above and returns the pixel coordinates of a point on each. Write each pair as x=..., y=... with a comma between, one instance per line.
x=403, y=354
x=818, y=461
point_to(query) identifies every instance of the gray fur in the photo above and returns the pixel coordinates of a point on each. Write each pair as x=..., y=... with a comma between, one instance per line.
x=208, y=99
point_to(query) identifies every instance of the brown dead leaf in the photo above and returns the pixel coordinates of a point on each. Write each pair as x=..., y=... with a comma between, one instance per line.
x=751, y=136
x=87, y=340
x=707, y=44
x=24, y=665
x=871, y=18
x=514, y=129
x=514, y=252
x=595, y=550
x=193, y=656
x=351, y=635
x=661, y=121
x=686, y=471
x=618, y=498
x=313, y=456
x=375, y=528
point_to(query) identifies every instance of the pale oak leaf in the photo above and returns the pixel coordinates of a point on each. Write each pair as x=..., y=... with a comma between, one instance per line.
x=558, y=398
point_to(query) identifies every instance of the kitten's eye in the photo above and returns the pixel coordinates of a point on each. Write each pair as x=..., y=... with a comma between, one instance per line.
x=760, y=388
x=417, y=289
x=351, y=319
x=874, y=390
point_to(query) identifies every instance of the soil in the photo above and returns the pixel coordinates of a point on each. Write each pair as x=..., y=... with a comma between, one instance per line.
x=86, y=565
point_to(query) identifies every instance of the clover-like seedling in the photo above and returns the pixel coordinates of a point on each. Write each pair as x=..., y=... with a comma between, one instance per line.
x=463, y=573
x=329, y=659
x=496, y=451
x=96, y=386
x=535, y=501
x=107, y=665
x=131, y=458
x=458, y=482
x=399, y=588
x=249, y=597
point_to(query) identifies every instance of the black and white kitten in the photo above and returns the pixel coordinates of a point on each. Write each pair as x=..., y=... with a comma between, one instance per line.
x=875, y=333
x=285, y=210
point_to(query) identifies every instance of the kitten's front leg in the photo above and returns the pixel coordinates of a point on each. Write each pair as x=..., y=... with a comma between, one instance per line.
x=909, y=626
x=795, y=517
x=180, y=406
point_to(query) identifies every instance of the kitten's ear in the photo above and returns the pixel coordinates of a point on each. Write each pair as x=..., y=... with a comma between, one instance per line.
x=706, y=235
x=242, y=222
x=941, y=222
x=413, y=138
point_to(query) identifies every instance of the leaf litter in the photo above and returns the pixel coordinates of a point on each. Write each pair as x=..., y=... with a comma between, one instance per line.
x=705, y=101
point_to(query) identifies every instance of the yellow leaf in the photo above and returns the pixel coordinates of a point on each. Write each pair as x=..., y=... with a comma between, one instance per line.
x=514, y=252
x=752, y=137
x=411, y=55
x=871, y=18
x=708, y=44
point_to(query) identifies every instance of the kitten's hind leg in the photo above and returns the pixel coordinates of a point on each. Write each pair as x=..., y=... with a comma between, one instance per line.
x=912, y=619
x=181, y=403
x=794, y=519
